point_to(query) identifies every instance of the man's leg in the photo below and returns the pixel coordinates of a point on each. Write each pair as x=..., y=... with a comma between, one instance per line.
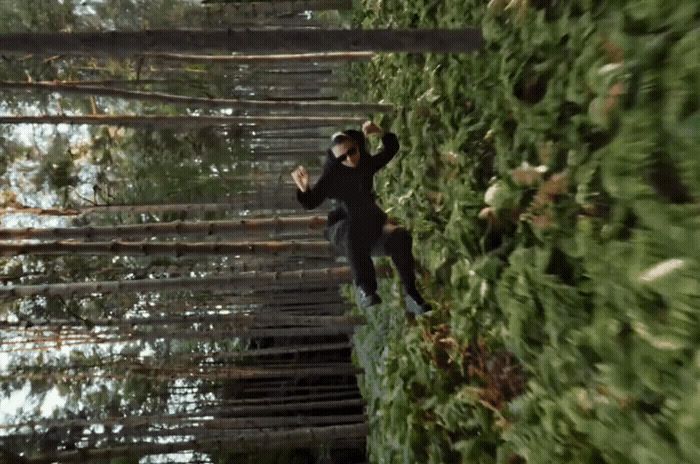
x=360, y=260
x=396, y=242
x=357, y=252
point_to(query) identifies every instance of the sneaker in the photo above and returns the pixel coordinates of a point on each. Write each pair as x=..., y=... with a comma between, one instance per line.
x=413, y=307
x=365, y=299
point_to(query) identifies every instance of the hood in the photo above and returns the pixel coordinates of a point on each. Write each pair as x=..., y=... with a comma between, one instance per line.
x=358, y=137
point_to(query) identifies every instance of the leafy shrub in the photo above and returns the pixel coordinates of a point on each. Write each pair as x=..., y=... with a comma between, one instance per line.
x=579, y=123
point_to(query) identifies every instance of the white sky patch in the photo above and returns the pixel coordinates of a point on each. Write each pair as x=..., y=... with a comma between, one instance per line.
x=146, y=352
x=51, y=402
x=20, y=175
x=10, y=405
x=40, y=135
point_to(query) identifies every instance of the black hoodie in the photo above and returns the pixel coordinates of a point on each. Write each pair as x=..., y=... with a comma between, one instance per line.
x=353, y=187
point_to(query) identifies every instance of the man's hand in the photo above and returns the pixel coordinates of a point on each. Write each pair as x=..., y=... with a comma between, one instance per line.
x=370, y=128
x=301, y=178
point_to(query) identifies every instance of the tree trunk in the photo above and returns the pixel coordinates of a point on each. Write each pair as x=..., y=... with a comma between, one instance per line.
x=252, y=279
x=245, y=441
x=290, y=350
x=280, y=7
x=269, y=301
x=281, y=399
x=172, y=249
x=206, y=424
x=180, y=208
x=222, y=427
x=187, y=122
x=284, y=387
x=249, y=105
x=266, y=319
x=239, y=373
x=293, y=40
x=215, y=427
x=277, y=81
x=262, y=183
x=285, y=58
x=287, y=350
x=272, y=155
x=281, y=142
x=244, y=332
x=124, y=82
x=183, y=269
x=65, y=338
x=304, y=134
x=255, y=84
x=260, y=226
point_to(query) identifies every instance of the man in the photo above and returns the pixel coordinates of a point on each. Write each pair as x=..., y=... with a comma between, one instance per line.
x=359, y=228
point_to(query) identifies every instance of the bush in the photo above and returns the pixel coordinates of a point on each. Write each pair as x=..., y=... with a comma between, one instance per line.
x=579, y=123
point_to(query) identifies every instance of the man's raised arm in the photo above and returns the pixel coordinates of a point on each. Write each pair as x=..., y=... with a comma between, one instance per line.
x=311, y=198
x=390, y=147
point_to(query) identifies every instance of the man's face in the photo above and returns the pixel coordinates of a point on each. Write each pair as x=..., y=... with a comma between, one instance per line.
x=350, y=148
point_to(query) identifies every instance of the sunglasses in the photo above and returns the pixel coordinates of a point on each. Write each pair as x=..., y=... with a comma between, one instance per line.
x=348, y=153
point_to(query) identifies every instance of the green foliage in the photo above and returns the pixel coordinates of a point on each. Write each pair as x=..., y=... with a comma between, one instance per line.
x=585, y=268
x=166, y=166
x=57, y=167
x=37, y=15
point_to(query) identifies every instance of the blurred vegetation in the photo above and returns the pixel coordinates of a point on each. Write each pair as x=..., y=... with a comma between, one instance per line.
x=552, y=183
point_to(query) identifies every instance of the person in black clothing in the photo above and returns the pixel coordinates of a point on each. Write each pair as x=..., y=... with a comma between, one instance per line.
x=358, y=227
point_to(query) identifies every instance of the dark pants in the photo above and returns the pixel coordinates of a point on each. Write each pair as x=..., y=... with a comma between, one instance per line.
x=358, y=246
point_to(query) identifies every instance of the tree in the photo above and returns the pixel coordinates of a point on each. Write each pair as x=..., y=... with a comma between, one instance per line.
x=241, y=441
x=187, y=122
x=244, y=41
x=280, y=8
x=248, y=280
x=178, y=228
x=329, y=108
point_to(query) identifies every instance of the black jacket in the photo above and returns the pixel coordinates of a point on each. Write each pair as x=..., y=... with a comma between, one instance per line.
x=353, y=187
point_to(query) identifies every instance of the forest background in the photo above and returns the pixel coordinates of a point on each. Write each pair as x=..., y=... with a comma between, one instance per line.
x=550, y=181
